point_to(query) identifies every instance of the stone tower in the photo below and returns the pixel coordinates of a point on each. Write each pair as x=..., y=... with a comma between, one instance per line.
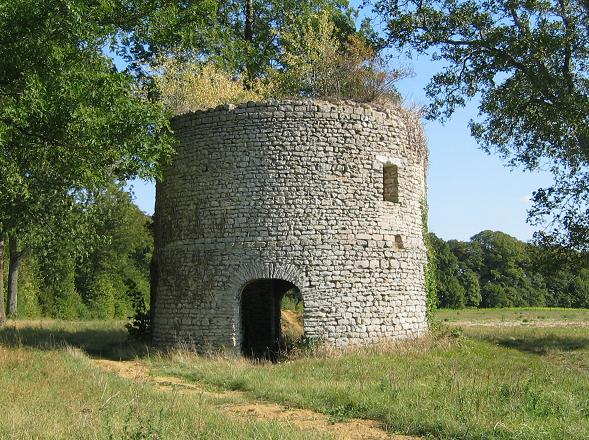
x=264, y=197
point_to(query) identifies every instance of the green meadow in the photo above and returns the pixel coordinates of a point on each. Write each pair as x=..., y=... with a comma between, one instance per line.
x=501, y=374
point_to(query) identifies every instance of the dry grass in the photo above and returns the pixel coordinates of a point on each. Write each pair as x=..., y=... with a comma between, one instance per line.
x=513, y=317
x=51, y=389
x=482, y=383
x=525, y=382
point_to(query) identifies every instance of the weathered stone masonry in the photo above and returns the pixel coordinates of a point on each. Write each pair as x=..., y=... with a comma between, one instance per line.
x=293, y=191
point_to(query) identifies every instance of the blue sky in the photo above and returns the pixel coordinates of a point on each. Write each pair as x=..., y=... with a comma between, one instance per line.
x=469, y=191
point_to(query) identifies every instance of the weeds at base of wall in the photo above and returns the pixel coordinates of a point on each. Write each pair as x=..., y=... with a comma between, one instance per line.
x=294, y=348
x=431, y=297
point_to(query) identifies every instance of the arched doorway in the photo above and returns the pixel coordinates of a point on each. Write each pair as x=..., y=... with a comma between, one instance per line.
x=261, y=315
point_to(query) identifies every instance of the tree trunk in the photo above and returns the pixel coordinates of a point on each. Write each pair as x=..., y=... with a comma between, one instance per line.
x=13, y=265
x=249, y=37
x=2, y=305
x=249, y=21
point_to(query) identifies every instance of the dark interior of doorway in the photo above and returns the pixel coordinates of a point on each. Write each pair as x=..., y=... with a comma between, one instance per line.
x=261, y=315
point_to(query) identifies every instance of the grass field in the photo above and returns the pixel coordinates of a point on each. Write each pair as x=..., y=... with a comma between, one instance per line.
x=506, y=374
x=50, y=390
x=523, y=316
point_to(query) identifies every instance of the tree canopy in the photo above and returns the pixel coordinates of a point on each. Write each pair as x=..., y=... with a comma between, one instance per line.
x=494, y=269
x=69, y=122
x=104, y=282
x=238, y=35
x=528, y=63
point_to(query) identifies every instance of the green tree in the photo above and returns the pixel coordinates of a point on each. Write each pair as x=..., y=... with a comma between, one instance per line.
x=472, y=289
x=507, y=278
x=451, y=293
x=316, y=62
x=564, y=272
x=119, y=261
x=68, y=119
x=97, y=273
x=270, y=48
x=470, y=261
x=240, y=36
x=528, y=62
x=581, y=289
x=69, y=122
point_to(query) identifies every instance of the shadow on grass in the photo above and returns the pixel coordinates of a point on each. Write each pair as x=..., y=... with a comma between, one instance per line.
x=104, y=342
x=542, y=345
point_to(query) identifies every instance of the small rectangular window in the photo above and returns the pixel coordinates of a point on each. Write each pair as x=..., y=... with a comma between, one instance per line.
x=391, y=183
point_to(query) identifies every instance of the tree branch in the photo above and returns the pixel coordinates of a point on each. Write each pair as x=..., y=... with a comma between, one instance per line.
x=11, y=123
x=566, y=63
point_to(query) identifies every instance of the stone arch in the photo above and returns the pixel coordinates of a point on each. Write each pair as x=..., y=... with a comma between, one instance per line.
x=272, y=277
x=258, y=270
x=261, y=317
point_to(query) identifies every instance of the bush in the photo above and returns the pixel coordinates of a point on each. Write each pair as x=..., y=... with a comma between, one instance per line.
x=186, y=86
x=317, y=64
x=140, y=326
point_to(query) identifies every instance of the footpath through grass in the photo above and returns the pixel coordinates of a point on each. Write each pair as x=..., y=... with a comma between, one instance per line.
x=53, y=391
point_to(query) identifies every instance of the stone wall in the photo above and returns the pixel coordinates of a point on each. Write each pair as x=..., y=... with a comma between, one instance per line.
x=292, y=190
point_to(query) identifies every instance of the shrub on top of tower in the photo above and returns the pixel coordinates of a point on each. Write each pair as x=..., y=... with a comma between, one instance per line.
x=185, y=86
x=318, y=63
x=317, y=60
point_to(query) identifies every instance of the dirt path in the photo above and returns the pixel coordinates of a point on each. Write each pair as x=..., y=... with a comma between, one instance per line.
x=238, y=404
x=291, y=322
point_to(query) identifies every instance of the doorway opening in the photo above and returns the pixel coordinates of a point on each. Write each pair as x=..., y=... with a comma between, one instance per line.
x=266, y=329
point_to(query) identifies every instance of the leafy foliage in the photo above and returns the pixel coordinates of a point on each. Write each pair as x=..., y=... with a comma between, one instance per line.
x=70, y=124
x=451, y=293
x=431, y=280
x=119, y=263
x=494, y=269
x=285, y=48
x=216, y=31
x=68, y=118
x=317, y=63
x=528, y=62
x=111, y=280
x=140, y=326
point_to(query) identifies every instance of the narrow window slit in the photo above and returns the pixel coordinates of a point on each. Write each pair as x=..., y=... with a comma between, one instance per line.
x=391, y=183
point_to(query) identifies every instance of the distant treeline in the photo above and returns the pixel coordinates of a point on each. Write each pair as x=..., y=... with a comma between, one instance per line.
x=102, y=273
x=494, y=269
